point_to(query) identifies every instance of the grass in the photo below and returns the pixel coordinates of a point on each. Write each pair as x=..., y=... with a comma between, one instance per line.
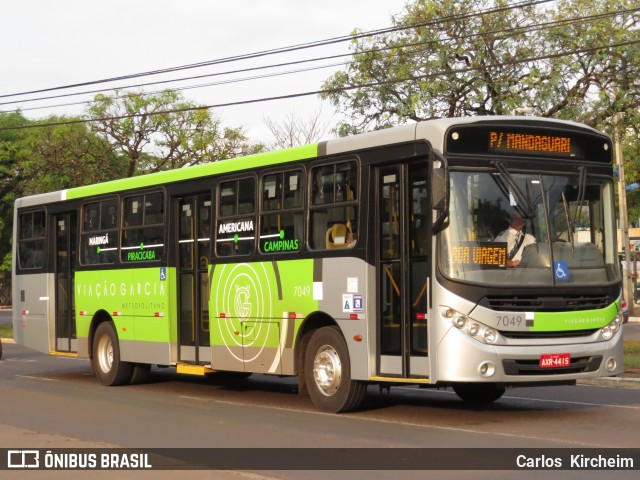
x=632, y=354
x=6, y=331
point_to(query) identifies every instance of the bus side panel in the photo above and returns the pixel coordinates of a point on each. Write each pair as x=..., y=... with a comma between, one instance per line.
x=155, y=327
x=137, y=300
x=256, y=310
x=348, y=298
x=33, y=311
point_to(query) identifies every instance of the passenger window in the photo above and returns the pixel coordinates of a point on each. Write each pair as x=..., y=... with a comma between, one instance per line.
x=99, y=238
x=334, y=210
x=143, y=229
x=282, y=219
x=31, y=240
x=235, y=233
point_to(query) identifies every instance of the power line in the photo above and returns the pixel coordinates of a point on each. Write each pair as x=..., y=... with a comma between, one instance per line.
x=513, y=30
x=326, y=91
x=283, y=49
x=191, y=87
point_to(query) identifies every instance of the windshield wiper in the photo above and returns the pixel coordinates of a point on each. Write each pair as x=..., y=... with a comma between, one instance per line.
x=573, y=223
x=569, y=226
x=514, y=188
x=582, y=190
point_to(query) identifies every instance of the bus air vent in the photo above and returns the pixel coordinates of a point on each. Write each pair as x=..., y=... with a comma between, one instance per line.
x=534, y=303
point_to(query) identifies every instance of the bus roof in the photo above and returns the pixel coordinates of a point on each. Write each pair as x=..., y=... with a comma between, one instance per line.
x=430, y=130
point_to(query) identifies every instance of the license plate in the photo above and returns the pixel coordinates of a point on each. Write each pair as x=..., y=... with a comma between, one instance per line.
x=555, y=360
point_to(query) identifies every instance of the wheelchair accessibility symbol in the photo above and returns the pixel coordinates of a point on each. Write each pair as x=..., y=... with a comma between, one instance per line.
x=561, y=271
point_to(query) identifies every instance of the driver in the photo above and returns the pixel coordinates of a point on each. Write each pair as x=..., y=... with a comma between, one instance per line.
x=516, y=239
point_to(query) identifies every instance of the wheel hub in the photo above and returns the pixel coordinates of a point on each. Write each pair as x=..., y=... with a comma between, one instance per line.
x=105, y=354
x=327, y=370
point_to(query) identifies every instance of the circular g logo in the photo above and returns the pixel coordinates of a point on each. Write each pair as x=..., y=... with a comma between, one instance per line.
x=243, y=302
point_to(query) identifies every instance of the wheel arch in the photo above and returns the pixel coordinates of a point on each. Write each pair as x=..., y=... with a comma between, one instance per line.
x=310, y=324
x=99, y=317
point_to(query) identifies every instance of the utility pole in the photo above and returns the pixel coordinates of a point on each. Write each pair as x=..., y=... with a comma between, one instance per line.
x=627, y=284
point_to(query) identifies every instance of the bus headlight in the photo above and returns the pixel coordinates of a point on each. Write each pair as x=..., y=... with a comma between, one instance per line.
x=490, y=336
x=459, y=321
x=471, y=327
x=608, y=331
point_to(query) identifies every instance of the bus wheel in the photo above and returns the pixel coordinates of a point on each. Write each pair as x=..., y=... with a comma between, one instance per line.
x=106, y=362
x=328, y=372
x=478, y=392
x=140, y=373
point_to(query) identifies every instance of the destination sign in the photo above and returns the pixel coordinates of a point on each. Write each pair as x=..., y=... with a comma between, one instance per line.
x=482, y=255
x=535, y=140
x=505, y=141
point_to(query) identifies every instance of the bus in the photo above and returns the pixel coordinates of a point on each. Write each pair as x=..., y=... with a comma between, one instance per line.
x=376, y=259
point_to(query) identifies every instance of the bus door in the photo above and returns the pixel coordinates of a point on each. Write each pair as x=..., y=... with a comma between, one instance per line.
x=403, y=244
x=194, y=242
x=66, y=225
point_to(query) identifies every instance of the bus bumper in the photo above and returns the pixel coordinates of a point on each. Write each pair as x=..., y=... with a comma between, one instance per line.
x=464, y=359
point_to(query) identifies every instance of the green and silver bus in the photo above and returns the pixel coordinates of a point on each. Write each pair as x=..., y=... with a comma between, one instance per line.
x=374, y=259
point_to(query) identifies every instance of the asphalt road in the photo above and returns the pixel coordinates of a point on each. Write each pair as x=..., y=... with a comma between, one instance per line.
x=52, y=402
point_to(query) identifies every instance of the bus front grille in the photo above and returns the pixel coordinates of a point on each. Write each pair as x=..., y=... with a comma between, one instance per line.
x=534, y=303
x=547, y=335
x=532, y=367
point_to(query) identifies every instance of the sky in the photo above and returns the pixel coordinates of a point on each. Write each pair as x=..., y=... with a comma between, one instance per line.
x=49, y=44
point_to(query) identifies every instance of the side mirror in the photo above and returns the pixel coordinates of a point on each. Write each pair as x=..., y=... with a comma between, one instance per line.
x=438, y=188
x=440, y=191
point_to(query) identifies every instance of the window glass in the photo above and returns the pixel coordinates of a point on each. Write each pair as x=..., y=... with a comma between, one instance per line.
x=109, y=215
x=31, y=240
x=99, y=238
x=529, y=228
x=143, y=229
x=334, y=209
x=292, y=187
x=133, y=211
x=236, y=224
x=282, y=221
x=246, y=196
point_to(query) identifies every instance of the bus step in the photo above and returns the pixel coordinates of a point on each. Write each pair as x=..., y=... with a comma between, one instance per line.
x=188, y=369
x=64, y=354
x=377, y=378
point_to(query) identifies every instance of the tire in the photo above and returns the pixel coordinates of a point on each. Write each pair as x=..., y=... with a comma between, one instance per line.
x=479, y=393
x=140, y=373
x=327, y=370
x=106, y=363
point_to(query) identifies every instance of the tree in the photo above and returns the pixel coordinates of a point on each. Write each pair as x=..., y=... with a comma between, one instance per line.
x=37, y=159
x=67, y=155
x=484, y=57
x=295, y=131
x=162, y=131
x=14, y=152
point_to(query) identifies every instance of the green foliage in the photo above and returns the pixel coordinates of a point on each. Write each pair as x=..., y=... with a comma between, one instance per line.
x=66, y=156
x=632, y=355
x=14, y=154
x=150, y=133
x=455, y=62
x=47, y=158
x=163, y=131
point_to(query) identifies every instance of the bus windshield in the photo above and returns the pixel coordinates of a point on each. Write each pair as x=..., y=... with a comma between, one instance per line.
x=530, y=228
